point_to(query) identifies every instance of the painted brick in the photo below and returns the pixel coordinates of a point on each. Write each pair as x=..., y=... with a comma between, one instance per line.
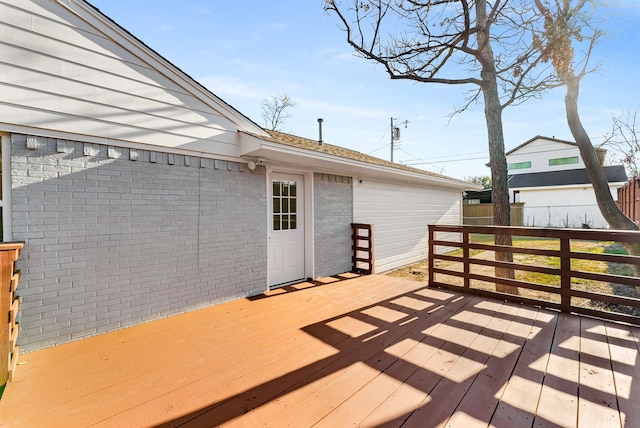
x=126, y=240
x=333, y=215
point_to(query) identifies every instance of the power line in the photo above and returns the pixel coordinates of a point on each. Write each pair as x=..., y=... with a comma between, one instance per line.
x=422, y=162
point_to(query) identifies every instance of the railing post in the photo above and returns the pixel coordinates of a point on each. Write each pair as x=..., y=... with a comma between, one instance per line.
x=431, y=254
x=565, y=274
x=465, y=257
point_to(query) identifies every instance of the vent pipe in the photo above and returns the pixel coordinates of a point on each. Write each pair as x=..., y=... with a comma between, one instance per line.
x=320, y=120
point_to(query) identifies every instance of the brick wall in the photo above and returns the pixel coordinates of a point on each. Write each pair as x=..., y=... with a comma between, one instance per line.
x=333, y=215
x=117, y=236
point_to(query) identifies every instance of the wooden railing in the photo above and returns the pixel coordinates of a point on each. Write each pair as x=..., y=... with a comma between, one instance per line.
x=362, y=238
x=9, y=305
x=464, y=271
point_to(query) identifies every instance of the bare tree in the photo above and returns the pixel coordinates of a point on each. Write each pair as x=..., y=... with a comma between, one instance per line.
x=481, y=44
x=567, y=22
x=275, y=111
x=472, y=43
x=624, y=140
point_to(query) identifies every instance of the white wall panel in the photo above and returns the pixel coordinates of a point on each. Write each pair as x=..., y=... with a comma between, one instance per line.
x=400, y=214
x=76, y=74
x=566, y=207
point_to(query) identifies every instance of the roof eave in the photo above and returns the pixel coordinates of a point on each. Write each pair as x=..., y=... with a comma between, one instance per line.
x=614, y=184
x=277, y=154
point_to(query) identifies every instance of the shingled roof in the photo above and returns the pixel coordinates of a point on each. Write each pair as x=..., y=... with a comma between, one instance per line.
x=615, y=174
x=315, y=146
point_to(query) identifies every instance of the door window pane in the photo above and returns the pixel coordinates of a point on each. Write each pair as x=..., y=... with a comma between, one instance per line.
x=284, y=203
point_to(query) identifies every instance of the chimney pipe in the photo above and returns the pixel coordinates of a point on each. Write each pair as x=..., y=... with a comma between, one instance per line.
x=320, y=120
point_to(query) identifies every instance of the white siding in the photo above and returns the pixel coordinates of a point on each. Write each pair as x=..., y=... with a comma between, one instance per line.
x=400, y=214
x=562, y=207
x=76, y=73
x=539, y=151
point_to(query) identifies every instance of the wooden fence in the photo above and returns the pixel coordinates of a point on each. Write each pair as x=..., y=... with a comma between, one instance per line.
x=482, y=214
x=9, y=305
x=569, y=296
x=629, y=199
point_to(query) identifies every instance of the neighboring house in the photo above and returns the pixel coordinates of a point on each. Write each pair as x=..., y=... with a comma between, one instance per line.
x=141, y=194
x=549, y=177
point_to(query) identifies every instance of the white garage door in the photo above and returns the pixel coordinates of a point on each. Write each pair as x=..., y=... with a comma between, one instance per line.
x=400, y=214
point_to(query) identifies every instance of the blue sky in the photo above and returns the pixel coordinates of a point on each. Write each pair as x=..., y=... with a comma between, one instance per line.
x=246, y=51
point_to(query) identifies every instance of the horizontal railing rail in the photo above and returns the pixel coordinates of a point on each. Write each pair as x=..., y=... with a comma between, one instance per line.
x=463, y=268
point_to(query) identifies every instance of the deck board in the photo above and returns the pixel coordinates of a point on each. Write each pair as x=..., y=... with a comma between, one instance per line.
x=519, y=399
x=625, y=363
x=370, y=351
x=558, y=404
x=596, y=377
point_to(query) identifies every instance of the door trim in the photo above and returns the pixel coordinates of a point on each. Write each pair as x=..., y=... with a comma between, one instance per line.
x=308, y=219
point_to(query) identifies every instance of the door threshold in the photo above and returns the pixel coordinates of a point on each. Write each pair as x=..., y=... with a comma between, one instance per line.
x=284, y=284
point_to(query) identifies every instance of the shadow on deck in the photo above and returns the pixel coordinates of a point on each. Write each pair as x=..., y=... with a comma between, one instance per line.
x=369, y=351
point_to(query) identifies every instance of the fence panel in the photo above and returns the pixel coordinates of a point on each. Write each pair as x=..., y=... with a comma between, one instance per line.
x=629, y=199
x=482, y=214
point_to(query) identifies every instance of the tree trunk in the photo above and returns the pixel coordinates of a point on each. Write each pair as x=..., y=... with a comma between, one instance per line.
x=497, y=159
x=610, y=211
x=595, y=172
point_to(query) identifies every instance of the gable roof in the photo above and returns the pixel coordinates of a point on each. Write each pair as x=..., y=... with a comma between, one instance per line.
x=314, y=148
x=615, y=174
x=599, y=150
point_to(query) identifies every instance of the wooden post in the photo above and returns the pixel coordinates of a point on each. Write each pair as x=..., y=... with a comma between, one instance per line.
x=565, y=274
x=465, y=257
x=431, y=253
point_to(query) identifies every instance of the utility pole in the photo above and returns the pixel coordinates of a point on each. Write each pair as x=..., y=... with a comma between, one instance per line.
x=395, y=134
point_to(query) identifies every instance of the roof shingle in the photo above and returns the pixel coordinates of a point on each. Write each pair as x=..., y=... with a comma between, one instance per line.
x=567, y=177
x=313, y=145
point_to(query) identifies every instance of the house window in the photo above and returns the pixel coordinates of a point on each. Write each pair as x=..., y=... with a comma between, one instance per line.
x=563, y=161
x=285, y=205
x=516, y=196
x=519, y=165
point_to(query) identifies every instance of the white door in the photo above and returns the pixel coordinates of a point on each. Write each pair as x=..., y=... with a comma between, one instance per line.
x=286, y=229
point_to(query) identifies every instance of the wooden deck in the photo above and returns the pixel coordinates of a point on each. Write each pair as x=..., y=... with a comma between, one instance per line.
x=370, y=351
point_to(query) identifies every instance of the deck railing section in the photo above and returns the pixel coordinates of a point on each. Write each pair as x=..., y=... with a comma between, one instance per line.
x=9, y=305
x=362, y=238
x=569, y=294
